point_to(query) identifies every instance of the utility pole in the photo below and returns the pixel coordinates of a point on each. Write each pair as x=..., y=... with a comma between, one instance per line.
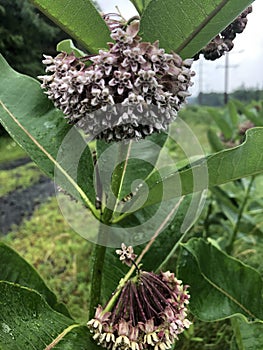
x=226, y=67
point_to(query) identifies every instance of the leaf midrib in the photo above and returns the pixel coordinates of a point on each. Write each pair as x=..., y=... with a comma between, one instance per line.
x=201, y=26
x=221, y=290
x=49, y=156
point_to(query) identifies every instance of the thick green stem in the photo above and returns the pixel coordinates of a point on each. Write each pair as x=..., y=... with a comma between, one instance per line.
x=229, y=249
x=106, y=219
x=96, y=279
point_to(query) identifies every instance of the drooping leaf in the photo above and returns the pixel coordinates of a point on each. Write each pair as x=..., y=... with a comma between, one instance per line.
x=79, y=19
x=69, y=47
x=221, y=286
x=39, y=128
x=13, y=268
x=249, y=335
x=224, y=166
x=28, y=322
x=187, y=26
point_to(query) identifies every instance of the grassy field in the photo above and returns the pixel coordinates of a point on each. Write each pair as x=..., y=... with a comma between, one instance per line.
x=19, y=178
x=9, y=150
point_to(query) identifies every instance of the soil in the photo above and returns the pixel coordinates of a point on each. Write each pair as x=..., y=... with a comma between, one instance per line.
x=20, y=204
x=14, y=164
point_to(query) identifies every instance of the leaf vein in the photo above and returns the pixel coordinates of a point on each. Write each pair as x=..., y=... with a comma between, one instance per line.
x=234, y=300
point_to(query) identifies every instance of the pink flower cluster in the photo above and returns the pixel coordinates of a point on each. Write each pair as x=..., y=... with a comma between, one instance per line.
x=130, y=91
x=149, y=313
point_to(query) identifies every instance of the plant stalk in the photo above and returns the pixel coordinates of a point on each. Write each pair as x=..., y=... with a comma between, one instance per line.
x=96, y=279
x=106, y=220
x=229, y=248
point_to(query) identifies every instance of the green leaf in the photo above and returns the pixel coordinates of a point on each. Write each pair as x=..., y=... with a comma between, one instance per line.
x=39, y=128
x=69, y=47
x=140, y=5
x=80, y=19
x=13, y=268
x=233, y=114
x=223, y=167
x=187, y=26
x=221, y=286
x=28, y=322
x=249, y=335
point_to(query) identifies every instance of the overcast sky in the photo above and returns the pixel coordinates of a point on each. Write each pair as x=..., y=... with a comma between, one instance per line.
x=246, y=56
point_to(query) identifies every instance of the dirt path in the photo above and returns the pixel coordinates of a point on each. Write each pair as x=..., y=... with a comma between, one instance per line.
x=20, y=204
x=14, y=164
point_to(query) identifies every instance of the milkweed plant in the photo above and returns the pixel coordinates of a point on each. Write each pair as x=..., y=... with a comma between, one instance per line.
x=98, y=122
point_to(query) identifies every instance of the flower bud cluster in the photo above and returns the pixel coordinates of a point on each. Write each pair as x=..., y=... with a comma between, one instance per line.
x=110, y=95
x=224, y=41
x=149, y=313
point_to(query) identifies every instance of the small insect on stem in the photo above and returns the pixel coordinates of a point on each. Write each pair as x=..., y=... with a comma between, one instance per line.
x=127, y=198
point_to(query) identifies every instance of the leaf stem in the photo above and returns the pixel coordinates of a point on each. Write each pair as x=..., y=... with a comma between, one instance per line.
x=152, y=240
x=229, y=248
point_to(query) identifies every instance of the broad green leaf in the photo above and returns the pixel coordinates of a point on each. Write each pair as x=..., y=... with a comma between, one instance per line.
x=221, y=286
x=80, y=19
x=13, y=268
x=223, y=167
x=28, y=322
x=140, y=5
x=69, y=47
x=39, y=128
x=249, y=335
x=187, y=26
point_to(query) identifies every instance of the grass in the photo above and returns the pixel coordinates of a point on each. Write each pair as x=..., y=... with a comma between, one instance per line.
x=9, y=150
x=18, y=178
